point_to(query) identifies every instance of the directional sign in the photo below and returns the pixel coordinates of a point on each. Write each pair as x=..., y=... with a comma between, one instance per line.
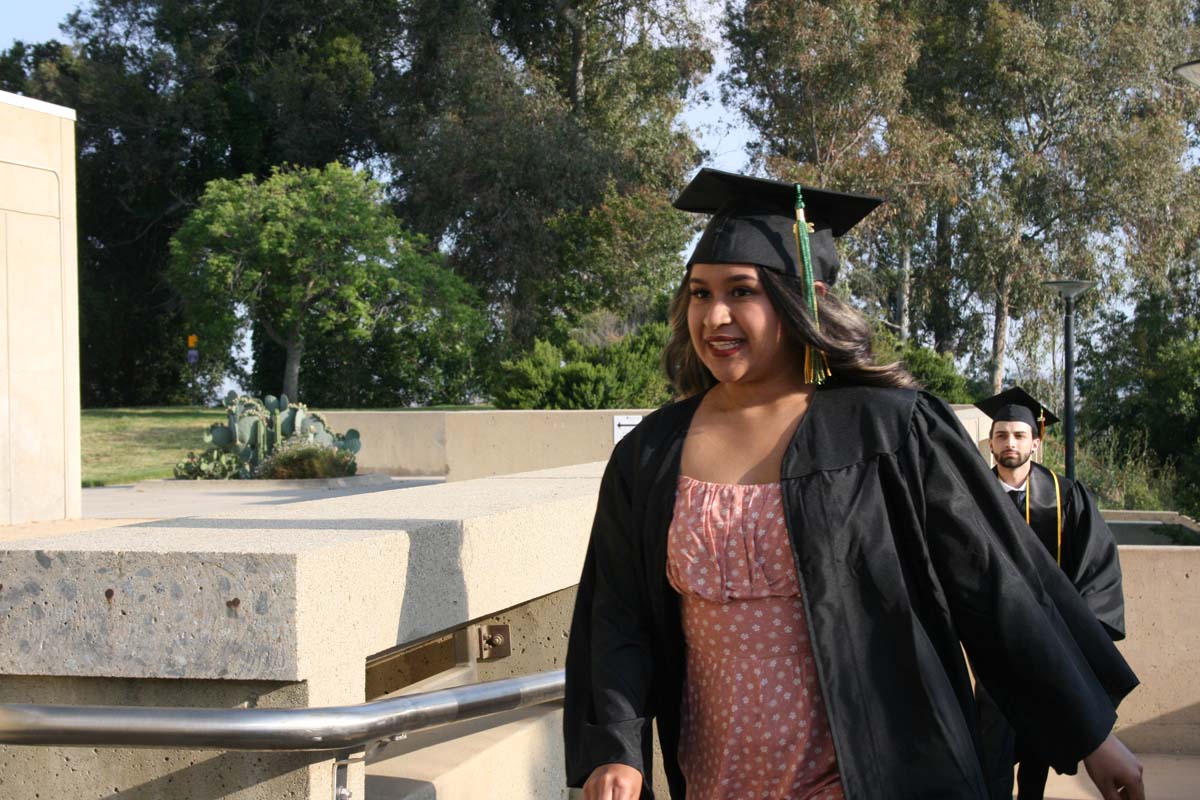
x=193, y=356
x=623, y=424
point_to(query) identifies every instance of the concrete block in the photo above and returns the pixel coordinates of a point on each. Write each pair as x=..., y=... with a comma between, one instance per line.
x=517, y=756
x=1162, y=605
x=295, y=595
x=122, y=613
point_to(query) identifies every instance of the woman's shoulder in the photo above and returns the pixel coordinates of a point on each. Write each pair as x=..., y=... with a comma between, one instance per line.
x=852, y=424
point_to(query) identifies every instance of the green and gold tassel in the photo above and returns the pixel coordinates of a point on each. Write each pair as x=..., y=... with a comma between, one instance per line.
x=816, y=368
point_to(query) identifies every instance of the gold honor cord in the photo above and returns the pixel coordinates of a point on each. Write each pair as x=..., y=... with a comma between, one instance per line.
x=816, y=370
x=1057, y=509
x=1058, y=517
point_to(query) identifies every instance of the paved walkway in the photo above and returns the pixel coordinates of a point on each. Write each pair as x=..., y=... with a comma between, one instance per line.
x=111, y=506
x=1166, y=778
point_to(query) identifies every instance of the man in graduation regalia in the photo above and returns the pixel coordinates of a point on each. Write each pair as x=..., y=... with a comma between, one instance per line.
x=1065, y=518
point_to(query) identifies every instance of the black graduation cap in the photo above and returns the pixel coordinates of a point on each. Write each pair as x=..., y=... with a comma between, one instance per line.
x=1016, y=405
x=753, y=222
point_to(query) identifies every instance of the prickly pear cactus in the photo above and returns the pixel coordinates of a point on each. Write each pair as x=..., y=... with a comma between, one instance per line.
x=254, y=430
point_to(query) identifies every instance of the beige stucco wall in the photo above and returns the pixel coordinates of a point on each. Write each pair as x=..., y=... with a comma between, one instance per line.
x=476, y=444
x=1162, y=606
x=39, y=321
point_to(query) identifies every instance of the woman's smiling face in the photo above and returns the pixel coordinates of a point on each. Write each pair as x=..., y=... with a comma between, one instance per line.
x=734, y=328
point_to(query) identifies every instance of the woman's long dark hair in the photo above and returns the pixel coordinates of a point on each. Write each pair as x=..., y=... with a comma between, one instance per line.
x=844, y=337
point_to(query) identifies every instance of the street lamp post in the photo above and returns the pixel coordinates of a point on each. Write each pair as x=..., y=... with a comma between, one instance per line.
x=1068, y=290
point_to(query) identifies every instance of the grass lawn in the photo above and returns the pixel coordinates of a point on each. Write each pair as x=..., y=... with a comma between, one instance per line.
x=123, y=445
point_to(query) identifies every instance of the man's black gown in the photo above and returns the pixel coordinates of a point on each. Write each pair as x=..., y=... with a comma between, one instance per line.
x=1087, y=552
x=905, y=546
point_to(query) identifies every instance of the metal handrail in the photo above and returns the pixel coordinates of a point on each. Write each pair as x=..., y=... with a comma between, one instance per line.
x=330, y=728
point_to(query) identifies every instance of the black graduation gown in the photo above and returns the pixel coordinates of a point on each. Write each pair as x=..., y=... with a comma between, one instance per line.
x=1086, y=550
x=905, y=545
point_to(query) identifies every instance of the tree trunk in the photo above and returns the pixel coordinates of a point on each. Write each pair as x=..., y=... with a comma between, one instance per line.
x=576, y=89
x=291, y=369
x=902, y=289
x=938, y=313
x=1000, y=333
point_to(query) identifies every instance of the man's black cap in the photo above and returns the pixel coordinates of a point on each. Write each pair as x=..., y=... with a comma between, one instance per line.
x=753, y=221
x=1016, y=405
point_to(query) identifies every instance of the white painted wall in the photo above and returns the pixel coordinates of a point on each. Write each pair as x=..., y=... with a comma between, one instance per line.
x=39, y=318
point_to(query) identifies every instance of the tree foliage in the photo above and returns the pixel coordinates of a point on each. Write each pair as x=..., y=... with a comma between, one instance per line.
x=1141, y=379
x=623, y=374
x=304, y=254
x=537, y=145
x=1015, y=141
x=170, y=95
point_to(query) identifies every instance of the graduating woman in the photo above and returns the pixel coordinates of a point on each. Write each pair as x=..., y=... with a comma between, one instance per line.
x=786, y=565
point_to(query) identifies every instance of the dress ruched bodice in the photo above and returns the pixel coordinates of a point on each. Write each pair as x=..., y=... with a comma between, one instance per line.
x=754, y=724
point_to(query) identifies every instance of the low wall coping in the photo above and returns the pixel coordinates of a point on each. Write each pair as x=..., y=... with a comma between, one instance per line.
x=295, y=590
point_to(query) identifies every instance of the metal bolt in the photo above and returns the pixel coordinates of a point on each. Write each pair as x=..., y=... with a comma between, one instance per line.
x=495, y=640
x=344, y=794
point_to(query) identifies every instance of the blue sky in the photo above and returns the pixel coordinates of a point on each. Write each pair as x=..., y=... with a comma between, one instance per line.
x=32, y=21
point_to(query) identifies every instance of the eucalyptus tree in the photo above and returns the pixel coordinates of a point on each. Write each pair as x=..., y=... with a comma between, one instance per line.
x=537, y=145
x=1074, y=134
x=824, y=87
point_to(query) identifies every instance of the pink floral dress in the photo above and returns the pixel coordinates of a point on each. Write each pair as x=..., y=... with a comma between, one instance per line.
x=754, y=725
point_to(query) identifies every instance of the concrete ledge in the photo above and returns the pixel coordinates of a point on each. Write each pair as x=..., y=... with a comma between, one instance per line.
x=463, y=445
x=298, y=591
x=517, y=756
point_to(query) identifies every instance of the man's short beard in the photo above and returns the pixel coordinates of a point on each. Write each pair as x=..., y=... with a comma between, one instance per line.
x=1013, y=462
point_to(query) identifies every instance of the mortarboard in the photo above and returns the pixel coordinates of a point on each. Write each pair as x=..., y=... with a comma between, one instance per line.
x=754, y=222
x=784, y=227
x=1016, y=405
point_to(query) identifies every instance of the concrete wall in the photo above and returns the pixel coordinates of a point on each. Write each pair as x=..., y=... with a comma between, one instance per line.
x=1162, y=606
x=39, y=321
x=475, y=444
x=295, y=598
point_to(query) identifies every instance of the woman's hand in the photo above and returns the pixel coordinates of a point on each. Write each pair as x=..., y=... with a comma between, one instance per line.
x=1116, y=772
x=614, y=782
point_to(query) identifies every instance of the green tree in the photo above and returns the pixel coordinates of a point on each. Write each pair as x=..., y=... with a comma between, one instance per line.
x=1068, y=122
x=304, y=252
x=169, y=96
x=1140, y=379
x=835, y=111
x=537, y=145
x=428, y=347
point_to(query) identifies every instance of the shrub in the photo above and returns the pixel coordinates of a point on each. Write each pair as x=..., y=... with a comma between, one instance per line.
x=1127, y=476
x=624, y=374
x=306, y=460
x=215, y=463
